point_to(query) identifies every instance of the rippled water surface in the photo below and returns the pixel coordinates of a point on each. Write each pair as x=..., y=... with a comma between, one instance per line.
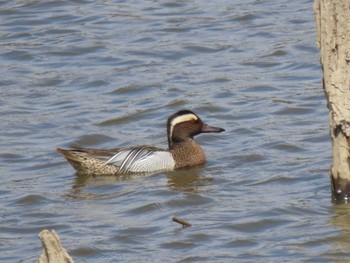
x=109, y=73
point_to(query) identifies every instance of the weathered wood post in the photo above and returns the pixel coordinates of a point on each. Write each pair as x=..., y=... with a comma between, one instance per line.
x=333, y=28
x=53, y=252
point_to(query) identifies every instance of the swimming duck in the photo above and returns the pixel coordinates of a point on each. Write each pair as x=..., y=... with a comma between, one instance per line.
x=183, y=151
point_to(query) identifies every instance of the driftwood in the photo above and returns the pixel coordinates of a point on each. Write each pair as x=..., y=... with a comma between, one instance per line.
x=333, y=28
x=183, y=222
x=53, y=252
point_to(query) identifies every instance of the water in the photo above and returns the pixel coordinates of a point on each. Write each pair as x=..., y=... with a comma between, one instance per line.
x=108, y=74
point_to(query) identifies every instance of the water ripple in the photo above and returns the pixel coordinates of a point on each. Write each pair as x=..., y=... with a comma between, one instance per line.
x=102, y=74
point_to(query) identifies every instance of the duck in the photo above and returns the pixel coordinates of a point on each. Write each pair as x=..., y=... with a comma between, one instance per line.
x=182, y=152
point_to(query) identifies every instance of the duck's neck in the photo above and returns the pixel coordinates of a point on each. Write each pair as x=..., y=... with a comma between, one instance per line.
x=187, y=153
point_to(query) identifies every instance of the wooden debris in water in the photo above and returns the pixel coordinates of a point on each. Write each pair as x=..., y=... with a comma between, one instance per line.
x=53, y=252
x=183, y=222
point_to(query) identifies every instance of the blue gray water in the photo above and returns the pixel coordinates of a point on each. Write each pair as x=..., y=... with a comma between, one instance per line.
x=109, y=73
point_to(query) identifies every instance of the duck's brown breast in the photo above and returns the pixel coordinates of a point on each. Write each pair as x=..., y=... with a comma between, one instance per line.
x=188, y=154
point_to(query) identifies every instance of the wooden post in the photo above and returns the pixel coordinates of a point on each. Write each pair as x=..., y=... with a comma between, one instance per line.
x=333, y=28
x=53, y=252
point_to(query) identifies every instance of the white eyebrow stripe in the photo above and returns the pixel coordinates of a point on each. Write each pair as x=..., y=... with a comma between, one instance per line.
x=182, y=118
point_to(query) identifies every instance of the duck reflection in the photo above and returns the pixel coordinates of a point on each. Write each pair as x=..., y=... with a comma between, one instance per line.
x=92, y=187
x=190, y=180
x=84, y=180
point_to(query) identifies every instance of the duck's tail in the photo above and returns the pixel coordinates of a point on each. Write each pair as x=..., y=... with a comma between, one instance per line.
x=88, y=161
x=73, y=157
x=67, y=154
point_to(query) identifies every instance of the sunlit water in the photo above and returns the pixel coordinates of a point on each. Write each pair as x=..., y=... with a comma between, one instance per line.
x=108, y=74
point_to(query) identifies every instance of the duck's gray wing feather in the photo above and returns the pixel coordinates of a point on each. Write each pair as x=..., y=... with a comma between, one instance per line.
x=106, y=154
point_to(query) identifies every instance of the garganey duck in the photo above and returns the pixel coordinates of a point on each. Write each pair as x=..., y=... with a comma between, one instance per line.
x=183, y=151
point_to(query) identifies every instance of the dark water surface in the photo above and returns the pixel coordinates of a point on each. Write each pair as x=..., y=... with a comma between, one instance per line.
x=109, y=73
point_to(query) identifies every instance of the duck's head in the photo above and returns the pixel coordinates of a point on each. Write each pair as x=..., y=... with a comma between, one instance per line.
x=184, y=125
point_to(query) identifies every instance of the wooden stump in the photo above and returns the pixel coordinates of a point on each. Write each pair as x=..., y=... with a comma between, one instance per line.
x=53, y=252
x=333, y=28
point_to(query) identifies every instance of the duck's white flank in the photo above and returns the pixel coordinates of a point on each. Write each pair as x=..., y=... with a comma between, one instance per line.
x=142, y=160
x=158, y=161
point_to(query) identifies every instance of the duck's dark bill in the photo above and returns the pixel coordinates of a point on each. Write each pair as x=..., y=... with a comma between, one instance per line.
x=207, y=128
